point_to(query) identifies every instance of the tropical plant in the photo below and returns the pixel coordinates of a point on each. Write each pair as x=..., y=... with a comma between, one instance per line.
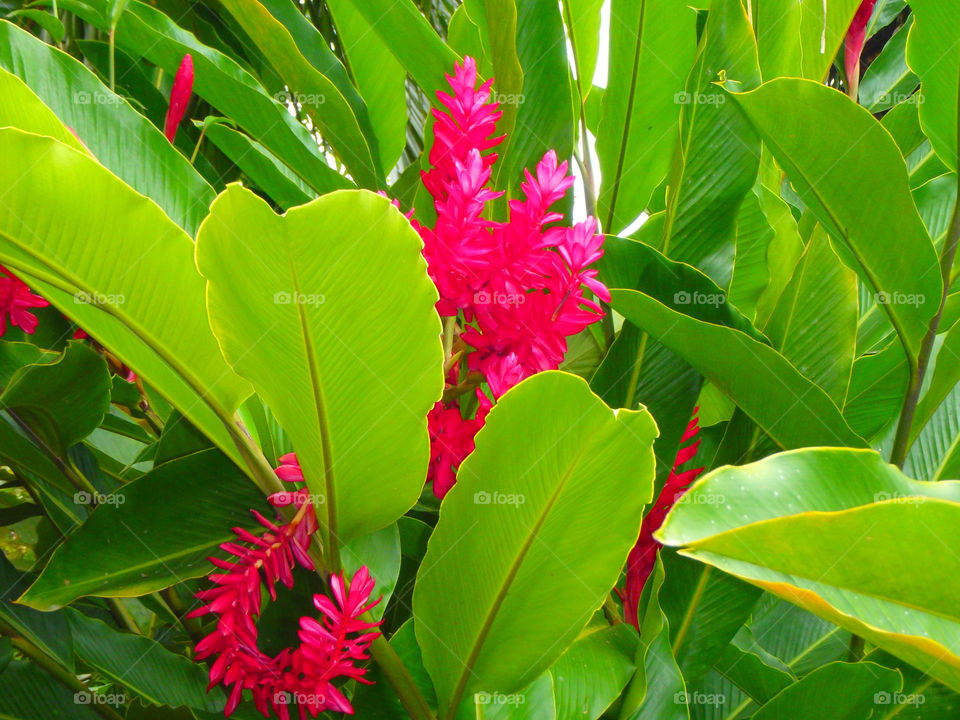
x=513, y=360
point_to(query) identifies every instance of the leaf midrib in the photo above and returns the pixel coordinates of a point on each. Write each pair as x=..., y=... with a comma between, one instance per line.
x=500, y=597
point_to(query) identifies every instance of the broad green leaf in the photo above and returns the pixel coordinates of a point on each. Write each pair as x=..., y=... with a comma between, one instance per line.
x=814, y=324
x=411, y=39
x=120, y=138
x=777, y=524
x=48, y=21
x=838, y=691
x=62, y=401
x=801, y=39
x=751, y=275
x=834, y=165
x=544, y=118
x=795, y=637
x=888, y=81
x=751, y=668
x=46, y=630
x=23, y=109
x=877, y=387
x=794, y=411
x=530, y=525
x=945, y=377
x=146, y=667
x=313, y=91
x=705, y=608
x=27, y=693
x=147, y=32
x=328, y=311
x=652, y=45
x=152, y=533
x=379, y=77
x=717, y=160
x=582, y=20
x=934, y=55
x=591, y=674
x=261, y=166
x=151, y=314
x=935, y=453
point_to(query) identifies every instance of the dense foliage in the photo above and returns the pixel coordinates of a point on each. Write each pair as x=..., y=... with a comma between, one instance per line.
x=510, y=359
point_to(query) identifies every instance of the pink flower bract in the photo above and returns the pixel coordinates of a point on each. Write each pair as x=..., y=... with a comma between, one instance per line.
x=15, y=301
x=179, y=97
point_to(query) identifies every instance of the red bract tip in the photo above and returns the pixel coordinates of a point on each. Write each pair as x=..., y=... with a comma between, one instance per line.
x=853, y=44
x=642, y=557
x=179, y=97
x=15, y=299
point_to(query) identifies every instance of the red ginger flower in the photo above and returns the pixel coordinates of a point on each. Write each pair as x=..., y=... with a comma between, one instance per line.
x=853, y=44
x=330, y=647
x=179, y=97
x=641, y=560
x=15, y=299
x=521, y=285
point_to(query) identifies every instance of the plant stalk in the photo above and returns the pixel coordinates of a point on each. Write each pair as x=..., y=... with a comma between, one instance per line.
x=948, y=254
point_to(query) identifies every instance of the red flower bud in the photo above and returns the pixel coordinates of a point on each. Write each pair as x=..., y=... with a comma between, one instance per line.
x=179, y=97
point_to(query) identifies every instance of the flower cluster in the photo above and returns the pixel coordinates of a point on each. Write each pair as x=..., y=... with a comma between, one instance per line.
x=15, y=301
x=521, y=286
x=330, y=648
x=644, y=554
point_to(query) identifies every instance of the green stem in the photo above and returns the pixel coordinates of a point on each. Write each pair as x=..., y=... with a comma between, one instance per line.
x=855, y=652
x=122, y=615
x=611, y=611
x=401, y=680
x=196, y=149
x=113, y=58
x=948, y=253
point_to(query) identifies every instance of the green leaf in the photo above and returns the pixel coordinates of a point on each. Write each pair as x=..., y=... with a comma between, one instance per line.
x=145, y=32
x=151, y=315
x=522, y=531
x=888, y=81
x=47, y=631
x=63, y=401
x=379, y=78
x=801, y=39
x=120, y=138
x=283, y=186
x=791, y=515
x=142, y=665
x=814, y=324
x=652, y=45
x=716, y=163
x=544, y=118
x=591, y=674
x=933, y=54
x=753, y=669
x=838, y=691
x=319, y=97
x=582, y=21
x=154, y=532
x=27, y=692
x=328, y=311
x=835, y=164
x=411, y=39
x=794, y=411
